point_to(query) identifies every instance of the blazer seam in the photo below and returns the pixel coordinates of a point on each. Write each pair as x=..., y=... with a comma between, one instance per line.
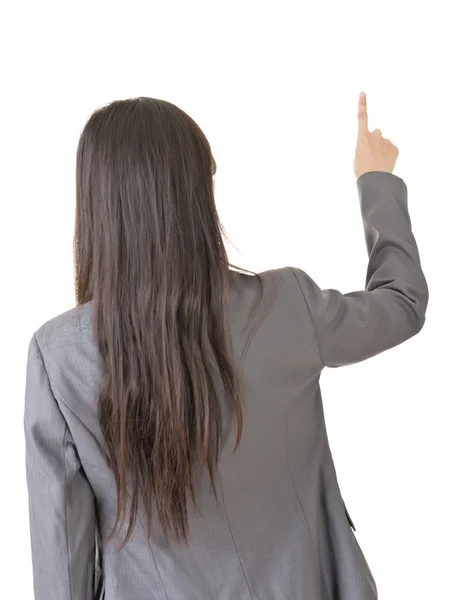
x=310, y=316
x=65, y=470
x=65, y=513
x=158, y=571
x=318, y=565
x=152, y=553
x=233, y=540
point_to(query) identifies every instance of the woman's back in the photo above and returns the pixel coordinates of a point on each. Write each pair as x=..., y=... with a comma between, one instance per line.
x=278, y=527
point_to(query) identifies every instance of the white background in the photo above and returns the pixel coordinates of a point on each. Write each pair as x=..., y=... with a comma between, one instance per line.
x=274, y=86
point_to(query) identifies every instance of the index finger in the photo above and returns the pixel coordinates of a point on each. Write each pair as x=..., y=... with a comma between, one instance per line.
x=362, y=115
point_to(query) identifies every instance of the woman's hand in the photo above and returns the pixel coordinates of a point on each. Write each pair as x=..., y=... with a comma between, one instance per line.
x=373, y=152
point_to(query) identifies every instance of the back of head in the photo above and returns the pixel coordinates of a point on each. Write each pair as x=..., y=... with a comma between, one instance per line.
x=149, y=255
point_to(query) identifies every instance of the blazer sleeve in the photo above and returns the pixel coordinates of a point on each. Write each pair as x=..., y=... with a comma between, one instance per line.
x=61, y=502
x=391, y=309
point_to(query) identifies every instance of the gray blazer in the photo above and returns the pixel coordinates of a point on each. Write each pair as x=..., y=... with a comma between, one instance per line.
x=281, y=530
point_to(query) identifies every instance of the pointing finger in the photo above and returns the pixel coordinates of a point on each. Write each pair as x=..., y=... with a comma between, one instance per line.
x=362, y=115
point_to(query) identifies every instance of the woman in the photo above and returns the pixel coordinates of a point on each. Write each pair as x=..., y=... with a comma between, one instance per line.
x=175, y=438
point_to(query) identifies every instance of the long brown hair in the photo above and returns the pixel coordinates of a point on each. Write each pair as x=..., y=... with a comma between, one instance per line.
x=149, y=255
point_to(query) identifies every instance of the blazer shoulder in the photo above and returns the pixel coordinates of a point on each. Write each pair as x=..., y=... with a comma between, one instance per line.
x=292, y=277
x=282, y=275
x=289, y=282
x=64, y=328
